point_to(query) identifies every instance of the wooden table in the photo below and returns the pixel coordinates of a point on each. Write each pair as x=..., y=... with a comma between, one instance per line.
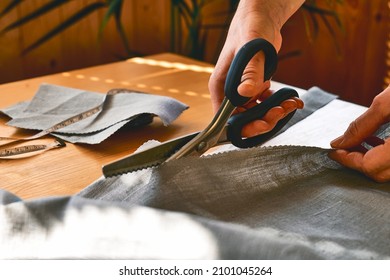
x=67, y=170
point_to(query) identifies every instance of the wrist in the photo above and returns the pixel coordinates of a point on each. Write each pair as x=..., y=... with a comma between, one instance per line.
x=270, y=17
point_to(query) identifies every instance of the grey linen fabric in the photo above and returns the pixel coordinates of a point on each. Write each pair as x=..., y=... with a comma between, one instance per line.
x=295, y=195
x=264, y=203
x=53, y=104
x=314, y=99
x=284, y=202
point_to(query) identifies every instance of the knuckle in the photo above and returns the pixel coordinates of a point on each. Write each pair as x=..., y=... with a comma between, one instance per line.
x=377, y=102
x=380, y=105
x=353, y=129
x=214, y=80
x=217, y=76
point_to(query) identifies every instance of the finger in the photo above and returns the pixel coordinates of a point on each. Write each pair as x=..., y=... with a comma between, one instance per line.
x=254, y=100
x=375, y=163
x=359, y=129
x=218, y=77
x=372, y=141
x=355, y=160
x=349, y=159
x=252, y=81
x=266, y=124
x=291, y=105
x=300, y=103
x=265, y=94
x=271, y=118
x=255, y=128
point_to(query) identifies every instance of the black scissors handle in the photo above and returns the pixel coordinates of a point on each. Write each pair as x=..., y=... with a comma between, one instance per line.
x=237, y=122
x=241, y=60
x=233, y=80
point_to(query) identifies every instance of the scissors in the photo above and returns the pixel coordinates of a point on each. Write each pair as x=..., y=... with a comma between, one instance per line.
x=224, y=128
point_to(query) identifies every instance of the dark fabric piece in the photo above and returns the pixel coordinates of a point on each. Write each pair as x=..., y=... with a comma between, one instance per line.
x=296, y=191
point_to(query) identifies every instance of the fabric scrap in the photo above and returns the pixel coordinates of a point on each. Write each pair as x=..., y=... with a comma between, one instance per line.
x=53, y=104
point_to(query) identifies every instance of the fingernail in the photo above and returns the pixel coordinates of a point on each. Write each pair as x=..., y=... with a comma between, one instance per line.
x=300, y=103
x=336, y=142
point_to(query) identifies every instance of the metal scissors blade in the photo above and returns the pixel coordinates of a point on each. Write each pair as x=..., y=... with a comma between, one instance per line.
x=192, y=144
x=152, y=156
x=210, y=135
x=147, y=158
x=223, y=128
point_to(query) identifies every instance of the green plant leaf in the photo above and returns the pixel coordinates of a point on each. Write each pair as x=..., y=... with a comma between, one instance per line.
x=33, y=15
x=13, y=4
x=290, y=54
x=185, y=14
x=323, y=15
x=311, y=26
x=320, y=11
x=333, y=34
x=185, y=11
x=66, y=24
x=122, y=32
x=114, y=8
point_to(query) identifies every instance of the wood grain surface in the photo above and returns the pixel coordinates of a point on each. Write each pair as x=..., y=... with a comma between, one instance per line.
x=67, y=170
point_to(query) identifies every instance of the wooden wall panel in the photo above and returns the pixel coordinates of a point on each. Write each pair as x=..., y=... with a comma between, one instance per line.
x=387, y=78
x=10, y=62
x=357, y=74
x=147, y=24
x=150, y=26
x=78, y=44
x=111, y=45
x=45, y=59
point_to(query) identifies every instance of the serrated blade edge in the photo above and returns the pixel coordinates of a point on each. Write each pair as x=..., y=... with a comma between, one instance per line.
x=153, y=156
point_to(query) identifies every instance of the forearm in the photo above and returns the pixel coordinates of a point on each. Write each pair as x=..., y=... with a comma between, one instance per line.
x=253, y=19
x=272, y=13
x=278, y=10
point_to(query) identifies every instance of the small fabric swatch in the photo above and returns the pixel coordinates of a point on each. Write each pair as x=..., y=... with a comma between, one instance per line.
x=53, y=104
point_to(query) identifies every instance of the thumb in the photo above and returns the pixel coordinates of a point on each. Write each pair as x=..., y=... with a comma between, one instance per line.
x=252, y=81
x=361, y=128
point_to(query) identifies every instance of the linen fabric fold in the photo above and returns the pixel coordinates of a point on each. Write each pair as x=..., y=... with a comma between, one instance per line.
x=53, y=104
